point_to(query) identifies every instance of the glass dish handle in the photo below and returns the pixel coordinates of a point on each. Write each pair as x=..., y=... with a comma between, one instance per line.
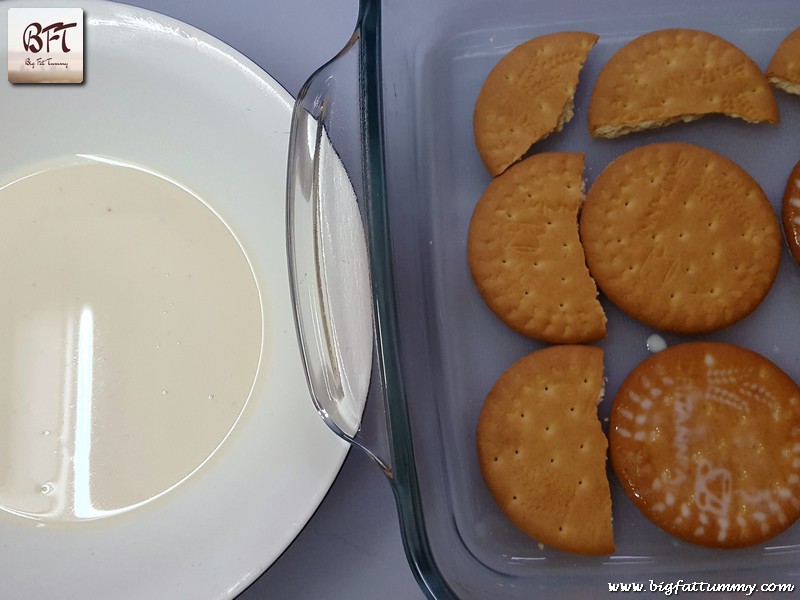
x=341, y=275
x=327, y=254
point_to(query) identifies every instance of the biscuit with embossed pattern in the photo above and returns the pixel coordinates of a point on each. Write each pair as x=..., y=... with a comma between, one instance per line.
x=675, y=75
x=704, y=438
x=542, y=451
x=680, y=237
x=783, y=70
x=525, y=255
x=528, y=95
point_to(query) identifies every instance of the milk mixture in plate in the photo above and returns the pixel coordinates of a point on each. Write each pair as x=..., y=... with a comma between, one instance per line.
x=131, y=333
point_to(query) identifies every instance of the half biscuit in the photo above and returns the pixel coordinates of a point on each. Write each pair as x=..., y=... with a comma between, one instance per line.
x=784, y=69
x=675, y=75
x=528, y=95
x=542, y=451
x=525, y=254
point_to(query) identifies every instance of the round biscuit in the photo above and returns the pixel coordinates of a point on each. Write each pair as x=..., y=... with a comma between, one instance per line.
x=674, y=75
x=680, y=237
x=525, y=254
x=528, y=95
x=542, y=451
x=790, y=212
x=705, y=439
x=783, y=70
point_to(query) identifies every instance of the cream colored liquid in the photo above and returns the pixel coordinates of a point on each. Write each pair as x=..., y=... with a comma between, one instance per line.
x=130, y=337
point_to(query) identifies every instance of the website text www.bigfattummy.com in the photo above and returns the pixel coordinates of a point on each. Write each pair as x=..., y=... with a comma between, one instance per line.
x=669, y=588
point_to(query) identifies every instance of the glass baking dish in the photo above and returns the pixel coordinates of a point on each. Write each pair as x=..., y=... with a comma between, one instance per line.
x=383, y=179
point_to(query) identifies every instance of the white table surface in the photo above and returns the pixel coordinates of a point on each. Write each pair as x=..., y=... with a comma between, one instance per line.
x=351, y=547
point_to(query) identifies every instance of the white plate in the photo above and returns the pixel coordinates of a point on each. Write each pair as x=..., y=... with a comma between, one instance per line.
x=159, y=93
